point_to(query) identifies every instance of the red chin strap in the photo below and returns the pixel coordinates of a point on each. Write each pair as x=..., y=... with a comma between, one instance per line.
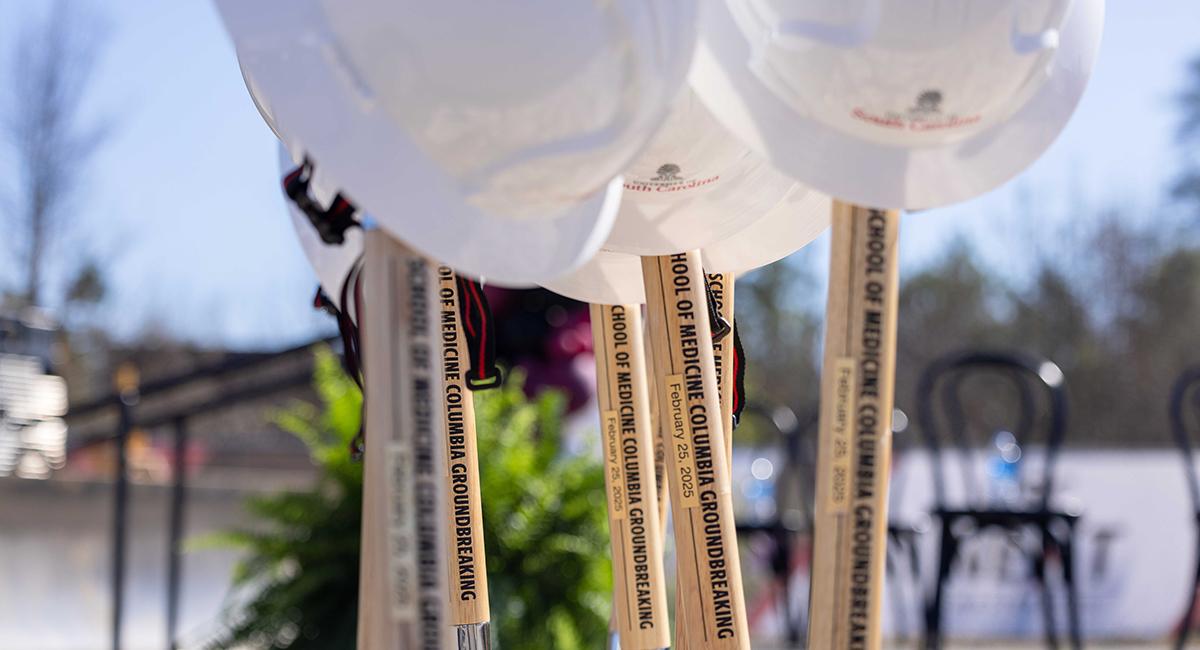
x=331, y=225
x=351, y=359
x=480, y=332
x=739, y=377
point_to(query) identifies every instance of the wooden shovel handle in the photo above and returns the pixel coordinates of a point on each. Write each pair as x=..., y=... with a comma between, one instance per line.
x=713, y=604
x=467, y=564
x=855, y=436
x=402, y=591
x=639, y=583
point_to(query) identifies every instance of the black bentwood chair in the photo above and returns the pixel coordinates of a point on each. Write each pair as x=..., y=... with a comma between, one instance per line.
x=1188, y=383
x=1000, y=496
x=904, y=540
x=788, y=532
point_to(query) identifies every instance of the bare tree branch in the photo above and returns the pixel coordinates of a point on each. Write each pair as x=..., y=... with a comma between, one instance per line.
x=1187, y=183
x=52, y=65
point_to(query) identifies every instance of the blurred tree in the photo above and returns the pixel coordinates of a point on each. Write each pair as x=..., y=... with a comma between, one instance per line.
x=545, y=530
x=1050, y=321
x=53, y=60
x=1163, y=340
x=1111, y=300
x=781, y=334
x=1187, y=186
x=942, y=309
x=88, y=287
x=1117, y=313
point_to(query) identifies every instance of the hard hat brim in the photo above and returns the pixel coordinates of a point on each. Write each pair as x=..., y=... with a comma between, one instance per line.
x=703, y=220
x=877, y=175
x=609, y=278
x=615, y=278
x=772, y=238
x=392, y=180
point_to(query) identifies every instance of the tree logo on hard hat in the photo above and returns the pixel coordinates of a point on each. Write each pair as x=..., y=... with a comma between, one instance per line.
x=667, y=179
x=929, y=101
x=667, y=172
x=925, y=115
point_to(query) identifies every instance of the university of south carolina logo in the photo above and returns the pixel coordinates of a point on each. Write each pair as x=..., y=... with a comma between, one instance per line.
x=667, y=172
x=924, y=115
x=667, y=178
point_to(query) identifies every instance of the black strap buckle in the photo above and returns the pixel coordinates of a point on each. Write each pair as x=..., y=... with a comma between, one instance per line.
x=331, y=224
x=721, y=328
x=718, y=323
x=480, y=332
x=489, y=381
x=322, y=302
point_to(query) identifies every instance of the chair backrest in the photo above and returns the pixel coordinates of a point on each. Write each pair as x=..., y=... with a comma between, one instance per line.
x=1187, y=383
x=942, y=385
x=795, y=483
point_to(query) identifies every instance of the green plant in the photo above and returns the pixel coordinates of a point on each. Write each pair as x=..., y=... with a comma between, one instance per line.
x=544, y=527
x=297, y=585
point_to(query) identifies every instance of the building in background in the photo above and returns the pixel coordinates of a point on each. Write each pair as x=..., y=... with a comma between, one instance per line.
x=33, y=400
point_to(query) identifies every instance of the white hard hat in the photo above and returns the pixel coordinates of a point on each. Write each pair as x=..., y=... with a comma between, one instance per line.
x=607, y=279
x=897, y=103
x=696, y=184
x=331, y=262
x=697, y=187
x=772, y=238
x=256, y=96
x=612, y=278
x=486, y=136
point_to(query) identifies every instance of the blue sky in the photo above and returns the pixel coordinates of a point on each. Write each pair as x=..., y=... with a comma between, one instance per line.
x=184, y=200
